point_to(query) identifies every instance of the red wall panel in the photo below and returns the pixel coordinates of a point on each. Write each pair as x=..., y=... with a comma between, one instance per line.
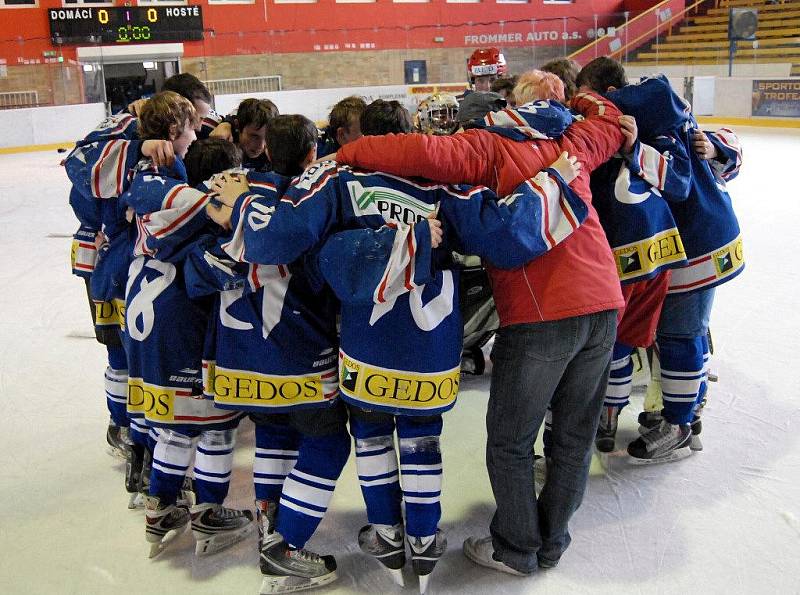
x=266, y=27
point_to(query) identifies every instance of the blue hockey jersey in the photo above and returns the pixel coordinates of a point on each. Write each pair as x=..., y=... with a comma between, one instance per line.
x=401, y=330
x=631, y=194
x=706, y=221
x=99, y=168
x=276, y=343
x=167, y=331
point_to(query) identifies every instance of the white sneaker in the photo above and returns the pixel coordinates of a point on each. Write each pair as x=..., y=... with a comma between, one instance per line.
x=481, y=551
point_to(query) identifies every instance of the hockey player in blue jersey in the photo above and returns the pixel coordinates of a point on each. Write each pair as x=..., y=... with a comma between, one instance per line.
x=99, y=169
x=248, y=129
x=632, y=193
x=167, y=333
x=709, y=233
x=275, y=357
x=401, y=329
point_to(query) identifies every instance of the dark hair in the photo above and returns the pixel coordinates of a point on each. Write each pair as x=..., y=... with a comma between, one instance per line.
x=188, y=86
x=567, y=70
x=210, y=156
x=289, y=139
x=345, y=112
x=385, y=117
x=255, y=112
x=163, y=111
x=602, y=73
x=505, y=83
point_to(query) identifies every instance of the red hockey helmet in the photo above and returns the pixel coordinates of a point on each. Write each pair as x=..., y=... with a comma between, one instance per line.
x=486, y=62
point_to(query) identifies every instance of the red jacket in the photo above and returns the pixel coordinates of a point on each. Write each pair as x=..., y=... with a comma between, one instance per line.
x=579, y=275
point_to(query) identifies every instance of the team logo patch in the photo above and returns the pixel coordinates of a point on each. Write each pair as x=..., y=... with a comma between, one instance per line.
x=724, y=262
x=349, y=377
x=630, y=263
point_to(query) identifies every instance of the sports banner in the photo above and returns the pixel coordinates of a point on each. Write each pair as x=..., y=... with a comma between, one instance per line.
x=776, y=98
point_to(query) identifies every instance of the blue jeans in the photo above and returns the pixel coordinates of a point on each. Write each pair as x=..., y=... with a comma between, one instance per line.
x=564, y=364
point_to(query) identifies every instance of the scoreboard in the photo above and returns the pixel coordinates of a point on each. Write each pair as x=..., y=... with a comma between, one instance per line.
x=125, y=24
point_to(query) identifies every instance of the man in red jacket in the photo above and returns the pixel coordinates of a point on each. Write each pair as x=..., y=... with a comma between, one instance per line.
x=558, y=326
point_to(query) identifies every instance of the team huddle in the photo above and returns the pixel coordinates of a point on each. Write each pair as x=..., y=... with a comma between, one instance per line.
x=253, y=266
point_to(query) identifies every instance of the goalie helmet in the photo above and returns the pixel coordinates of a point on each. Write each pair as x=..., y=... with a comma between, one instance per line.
x=486, y=62
x=437, y=114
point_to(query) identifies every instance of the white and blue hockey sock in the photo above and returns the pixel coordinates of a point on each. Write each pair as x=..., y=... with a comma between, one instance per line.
x=276, y=454
x=139, y=431
x=116, y=384
x=376, y=464
x=620, y=379
x=309, y=486
x=421, y=470
x=682, y=372
x=171, y=459
x=212, y=465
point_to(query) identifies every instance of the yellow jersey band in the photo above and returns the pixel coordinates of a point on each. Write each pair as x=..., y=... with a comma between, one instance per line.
x=110, y=313
x=245, y=389
x=373, y=387
x=641, y=258
x=171, y=405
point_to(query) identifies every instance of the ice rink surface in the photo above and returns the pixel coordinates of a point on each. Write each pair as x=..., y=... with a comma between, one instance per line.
x=726, y=520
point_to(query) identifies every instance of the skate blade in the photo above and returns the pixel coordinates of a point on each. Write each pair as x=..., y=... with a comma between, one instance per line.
x=423, y=583
x=116, y=453
x=290, y=584
x=696, y=444
x=157, y=547
x=216, y=543
x=397, y=576
x=675, y=455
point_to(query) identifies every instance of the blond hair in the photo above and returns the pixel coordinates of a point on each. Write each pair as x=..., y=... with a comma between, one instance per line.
x=535, y=85
x=163, y=111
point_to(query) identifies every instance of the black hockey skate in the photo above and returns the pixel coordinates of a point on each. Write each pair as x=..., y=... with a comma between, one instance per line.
x=216, y=527
x=425, y=553
x=118, y=441
x=607, y=430
x=651, y=419
x=664, y=443
x=387, y=545
x=164, y=523
x=288, y=569
x=134, y=466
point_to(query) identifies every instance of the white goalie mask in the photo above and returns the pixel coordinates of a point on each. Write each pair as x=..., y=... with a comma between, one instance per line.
x=437, y=114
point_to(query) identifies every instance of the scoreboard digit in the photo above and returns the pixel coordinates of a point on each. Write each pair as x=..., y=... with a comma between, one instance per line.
x=125, y=24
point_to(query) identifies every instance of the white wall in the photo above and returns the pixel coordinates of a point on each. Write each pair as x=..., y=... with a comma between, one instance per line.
x=48, y=125
x=316, y=104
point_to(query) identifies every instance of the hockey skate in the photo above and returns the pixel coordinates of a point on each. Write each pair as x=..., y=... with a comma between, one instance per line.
x=134, y=466
x=664, y=443
x=216, y=527
x=118, y=441
x=287, y=569
x=425, y=553
x=651, y=419
x=164, y=523
x=386, y=544
x=607, y=430
x=187, y=497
